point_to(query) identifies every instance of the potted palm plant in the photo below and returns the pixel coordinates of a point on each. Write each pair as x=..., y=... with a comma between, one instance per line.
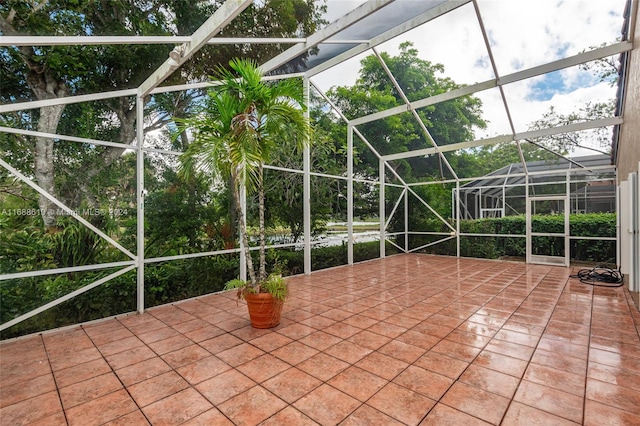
x=243, y=119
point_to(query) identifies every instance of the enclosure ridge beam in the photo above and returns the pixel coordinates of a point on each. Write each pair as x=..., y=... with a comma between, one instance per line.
x=427, y=16
x=578, y=59
x=330, y=30
x=212, y=26
x=573, y=127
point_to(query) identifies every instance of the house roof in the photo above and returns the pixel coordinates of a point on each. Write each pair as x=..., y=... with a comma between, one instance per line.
x=539, y=171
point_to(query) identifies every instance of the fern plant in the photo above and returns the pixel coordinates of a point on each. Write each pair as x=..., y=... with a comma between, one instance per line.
x=274, y=284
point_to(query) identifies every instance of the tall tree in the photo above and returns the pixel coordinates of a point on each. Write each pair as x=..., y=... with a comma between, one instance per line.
x=598, y=139
x=48, y=78
x=51, y=72
x=243, y=120
x=447, y=122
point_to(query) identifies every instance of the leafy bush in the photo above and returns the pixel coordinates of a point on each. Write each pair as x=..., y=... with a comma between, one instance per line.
x=165, y=282
x=581, y=225
x=29, y=248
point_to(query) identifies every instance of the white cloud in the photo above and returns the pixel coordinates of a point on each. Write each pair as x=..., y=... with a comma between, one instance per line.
x=522, y=34
x=338, y=8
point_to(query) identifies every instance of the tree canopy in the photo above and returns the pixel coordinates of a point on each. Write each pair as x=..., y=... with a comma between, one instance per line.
x=447, y=122
x=46, y=72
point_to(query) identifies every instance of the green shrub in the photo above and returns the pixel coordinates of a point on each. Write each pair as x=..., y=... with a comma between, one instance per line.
x=584, y=225
x=165, y=282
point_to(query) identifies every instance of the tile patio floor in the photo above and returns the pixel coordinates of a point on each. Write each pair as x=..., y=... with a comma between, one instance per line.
x=410, y=339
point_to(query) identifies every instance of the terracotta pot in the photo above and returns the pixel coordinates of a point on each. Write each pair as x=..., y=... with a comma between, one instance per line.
x=264, y=310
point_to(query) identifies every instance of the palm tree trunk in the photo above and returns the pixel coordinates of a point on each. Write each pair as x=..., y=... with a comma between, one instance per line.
x=243, y=233
x=262, y=275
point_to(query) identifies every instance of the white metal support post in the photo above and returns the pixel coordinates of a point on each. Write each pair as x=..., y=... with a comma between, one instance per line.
x=528, y=220
x=457, y=218
x=635, y=237
x=383, y=228
x=406, y=224
x=350, y=194
x=140, y=201
x=567, y=226
x=618, y=224
x=306, y=191
x=633, y=232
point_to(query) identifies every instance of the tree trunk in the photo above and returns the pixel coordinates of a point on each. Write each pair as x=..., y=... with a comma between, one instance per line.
x=45, y=87
x=233, y=218
x=262, y=276
x=243, y=234
x=127, y=116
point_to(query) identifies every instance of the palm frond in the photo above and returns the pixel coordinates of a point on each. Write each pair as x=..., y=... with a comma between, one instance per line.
x=242, y=120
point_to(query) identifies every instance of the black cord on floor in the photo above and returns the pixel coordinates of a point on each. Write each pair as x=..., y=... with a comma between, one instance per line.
x=600, y=276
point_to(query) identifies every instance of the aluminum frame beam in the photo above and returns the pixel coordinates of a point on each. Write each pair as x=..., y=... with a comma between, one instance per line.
x=20, y=106
x=64, y=298
x=425, y=17
x=212, y=26
x=306, y=186
x=583, y=125
x=55, y=271
x=131, y=40
x=330, y=30
x=507, y=110
x=120, y=93
x=578, y=59
x=415, y=115
x=65, y=138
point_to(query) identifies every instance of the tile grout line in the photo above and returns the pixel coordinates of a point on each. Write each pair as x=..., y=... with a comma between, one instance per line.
x=191, y=385
x=521, y=378
x=586, y=372
x=116, y=374
x=483, y=348
x=46, y=351
x=443, y=338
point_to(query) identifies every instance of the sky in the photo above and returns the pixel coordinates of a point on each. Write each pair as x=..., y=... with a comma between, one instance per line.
x=522, y=34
